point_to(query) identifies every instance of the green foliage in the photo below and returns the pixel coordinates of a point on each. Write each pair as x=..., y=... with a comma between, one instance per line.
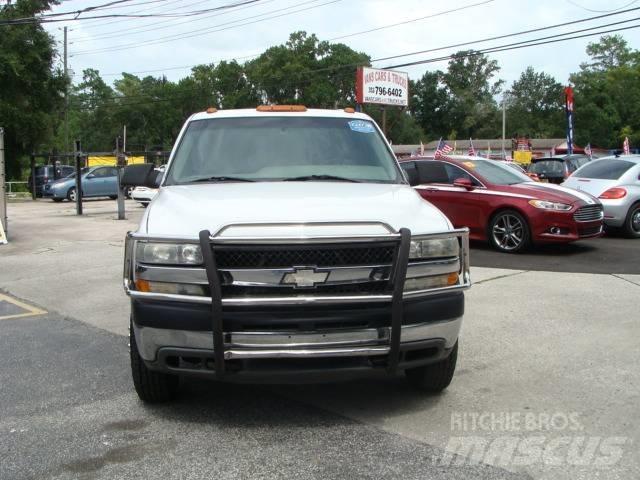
x=307, y=71
x=535, y=106
x=471, y=90
x=457, y=103
x=30, y=89
x=607, y=94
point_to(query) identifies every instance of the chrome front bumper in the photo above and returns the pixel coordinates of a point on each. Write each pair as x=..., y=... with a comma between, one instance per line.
x=253, y=345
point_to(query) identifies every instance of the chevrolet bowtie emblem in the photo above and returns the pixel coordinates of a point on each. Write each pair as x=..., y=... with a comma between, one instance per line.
x=304, y=277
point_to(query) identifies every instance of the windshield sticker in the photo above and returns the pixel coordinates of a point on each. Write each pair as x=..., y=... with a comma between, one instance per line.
x=469, y=164
x=361, y=126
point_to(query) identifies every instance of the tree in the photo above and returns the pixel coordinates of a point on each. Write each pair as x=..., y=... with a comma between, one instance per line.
x=31, y=89
x=90, y=116
x=306, y=70
x=471, y=90
x=429, y=104
x=607, y=92
x=535, y=105
x=611, y=51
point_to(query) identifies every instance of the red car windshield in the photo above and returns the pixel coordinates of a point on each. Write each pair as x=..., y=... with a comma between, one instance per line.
x=495, y=173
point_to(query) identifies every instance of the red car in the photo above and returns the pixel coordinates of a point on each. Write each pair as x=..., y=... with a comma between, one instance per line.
x=503, y=206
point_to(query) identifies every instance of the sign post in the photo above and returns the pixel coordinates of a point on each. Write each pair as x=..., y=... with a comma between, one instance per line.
x=77, y=154
x=120, y=164
x=382, y=87
x=3, y=193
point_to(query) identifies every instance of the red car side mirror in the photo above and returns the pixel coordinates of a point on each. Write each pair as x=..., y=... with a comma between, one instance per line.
x=464, y=183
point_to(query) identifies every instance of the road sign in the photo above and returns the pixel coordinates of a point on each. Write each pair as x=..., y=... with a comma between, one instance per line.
x=383, y=87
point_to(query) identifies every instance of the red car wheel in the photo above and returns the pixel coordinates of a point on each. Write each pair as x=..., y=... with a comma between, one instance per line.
x=509, y=232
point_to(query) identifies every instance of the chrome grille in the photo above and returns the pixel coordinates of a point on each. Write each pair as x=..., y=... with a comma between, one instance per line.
x=233, y=291
x=294, y=255
x=589, y=213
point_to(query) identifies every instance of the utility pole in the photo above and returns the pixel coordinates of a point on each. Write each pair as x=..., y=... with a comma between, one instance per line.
x=78, y=153
x=504, y=123
x=120, y=162
x=66, y=95
x=3, y=193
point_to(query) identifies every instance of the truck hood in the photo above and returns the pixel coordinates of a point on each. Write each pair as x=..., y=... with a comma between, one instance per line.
x=184, y=210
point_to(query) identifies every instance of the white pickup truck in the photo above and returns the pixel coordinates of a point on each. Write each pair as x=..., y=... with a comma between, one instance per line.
x=285, y=244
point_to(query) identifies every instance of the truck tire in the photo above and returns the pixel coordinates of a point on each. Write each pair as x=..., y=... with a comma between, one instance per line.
x=434, y=377
x=151, y=387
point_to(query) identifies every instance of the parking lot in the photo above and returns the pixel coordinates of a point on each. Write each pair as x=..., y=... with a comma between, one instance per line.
x=548, y=355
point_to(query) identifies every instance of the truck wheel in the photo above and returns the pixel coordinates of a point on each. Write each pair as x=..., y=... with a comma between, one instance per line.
x=632, y=222
x=151, y=387
x=434, y=377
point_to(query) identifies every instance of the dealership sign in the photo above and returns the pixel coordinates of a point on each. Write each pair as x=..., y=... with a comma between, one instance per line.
x=384, y=87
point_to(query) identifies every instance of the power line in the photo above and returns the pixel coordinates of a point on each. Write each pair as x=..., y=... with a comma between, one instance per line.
x=308, y=79
x=533, y=30
x=153, y=27
x=100, y=23
x=601, y=11
x=499, y=37
x=213, y=29
x=413, y=20
x=41, y=19
x=514, y=46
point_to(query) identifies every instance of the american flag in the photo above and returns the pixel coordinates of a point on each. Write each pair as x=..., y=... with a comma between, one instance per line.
x=442, y=149
x=587, y=150
x=625, y=146
x=472, y=151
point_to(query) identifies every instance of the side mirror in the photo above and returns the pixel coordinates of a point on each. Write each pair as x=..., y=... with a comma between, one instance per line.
x=90, y=176
x=138, y=175
x=464, y=183
x=154, y=179
x=411, y=174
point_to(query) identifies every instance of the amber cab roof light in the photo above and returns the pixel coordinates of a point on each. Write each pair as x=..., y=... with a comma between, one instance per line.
x=281, y=108
x=211, y=110
x=350, y=110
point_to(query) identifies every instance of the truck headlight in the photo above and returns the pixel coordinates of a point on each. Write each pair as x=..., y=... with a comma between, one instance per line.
x=544, y=205
x=169, y=253
x=434, y=248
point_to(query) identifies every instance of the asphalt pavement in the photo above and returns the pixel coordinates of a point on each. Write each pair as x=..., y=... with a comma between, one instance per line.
x=610, y=254
x=539, y=339
x=68, y=411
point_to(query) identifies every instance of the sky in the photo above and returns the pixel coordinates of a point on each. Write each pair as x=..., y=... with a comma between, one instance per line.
x=249, y=29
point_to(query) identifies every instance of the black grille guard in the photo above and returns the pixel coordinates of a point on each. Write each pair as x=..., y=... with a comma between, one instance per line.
x=399, y=271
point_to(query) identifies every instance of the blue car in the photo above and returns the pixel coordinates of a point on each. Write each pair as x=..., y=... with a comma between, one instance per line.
x=95, y=182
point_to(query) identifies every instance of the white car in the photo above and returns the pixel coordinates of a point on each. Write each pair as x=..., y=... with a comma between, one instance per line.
x=286, y=241
x=144, y=195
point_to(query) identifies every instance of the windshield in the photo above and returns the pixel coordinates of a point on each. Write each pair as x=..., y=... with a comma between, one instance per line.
x=604, y=169
x=495, y=172
x=278, y=148
x=82, y=172
x=548, y=167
